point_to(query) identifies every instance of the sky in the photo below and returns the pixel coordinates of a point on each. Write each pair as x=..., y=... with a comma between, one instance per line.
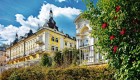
x=19, y=16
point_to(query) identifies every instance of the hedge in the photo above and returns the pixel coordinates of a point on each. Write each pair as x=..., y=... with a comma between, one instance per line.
x=6, y=74
x=29, y=73
x=96, y=72
x=81, y=73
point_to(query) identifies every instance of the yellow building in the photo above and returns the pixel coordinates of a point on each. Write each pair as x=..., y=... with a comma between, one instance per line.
x=27, y=50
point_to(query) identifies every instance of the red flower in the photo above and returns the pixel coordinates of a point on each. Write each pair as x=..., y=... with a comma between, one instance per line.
x=118, y=8
x=115, y=48
x=112, y=37
x=123, y=31
x=104, y=25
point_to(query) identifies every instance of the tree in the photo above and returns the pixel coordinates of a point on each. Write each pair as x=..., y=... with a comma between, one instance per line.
x=46, y=60
x=76, y=57
x=116, y=25
x=58, y=58
x=67, y=56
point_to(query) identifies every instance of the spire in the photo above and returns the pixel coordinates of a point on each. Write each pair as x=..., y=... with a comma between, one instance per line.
x=16, y=39
x=51, y=13
x=16, y=35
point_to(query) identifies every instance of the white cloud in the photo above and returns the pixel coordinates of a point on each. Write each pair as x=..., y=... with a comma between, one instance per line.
x=8, y=32
x=67, y=0
x=66, y=11
x=60, y=0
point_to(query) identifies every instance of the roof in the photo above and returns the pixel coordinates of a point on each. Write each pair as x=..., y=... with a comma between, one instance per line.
x=27, y=35
x=78, y=17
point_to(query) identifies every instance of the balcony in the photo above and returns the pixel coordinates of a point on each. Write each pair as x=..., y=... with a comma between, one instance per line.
x=23, y=64
x=34, y=51
x=21, y=55
x=88, y=56
x=39, y=42
x=7, y=59
x=14, y=57
x=84, y=45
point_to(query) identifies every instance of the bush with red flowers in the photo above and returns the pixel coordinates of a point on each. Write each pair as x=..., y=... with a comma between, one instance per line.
x=116, y=24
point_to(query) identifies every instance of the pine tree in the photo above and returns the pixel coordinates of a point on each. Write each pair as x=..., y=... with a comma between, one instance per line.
x=116, y=24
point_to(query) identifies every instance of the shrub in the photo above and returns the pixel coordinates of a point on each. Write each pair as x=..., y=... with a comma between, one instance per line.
x=116, y=25
x=96, y=72
x=46, y=60
x=81, y=73
x=29, y=73
x=58, y=58
x=70, y=56
x=7, y=73
x=67, y=57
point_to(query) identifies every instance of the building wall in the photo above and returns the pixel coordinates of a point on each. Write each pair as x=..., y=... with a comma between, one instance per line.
x=2, y=60
x=29, y=48
x=85, y=42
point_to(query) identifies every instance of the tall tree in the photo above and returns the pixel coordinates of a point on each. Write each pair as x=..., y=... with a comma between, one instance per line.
x=116, y=24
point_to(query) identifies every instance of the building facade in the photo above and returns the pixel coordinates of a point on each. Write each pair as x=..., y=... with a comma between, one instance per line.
x=85, y=42
x=2, y=59
x=27, y=50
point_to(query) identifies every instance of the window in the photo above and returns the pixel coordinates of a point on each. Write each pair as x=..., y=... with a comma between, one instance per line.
x=66, y=43
x=87, y=56
x=70, y=45
x=52, y=48
x=56, y=39
x=56, y=48
x=86, y=41
x=52, y=38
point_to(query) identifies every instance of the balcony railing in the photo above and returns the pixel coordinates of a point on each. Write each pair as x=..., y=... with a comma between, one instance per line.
x=88, y=56
x=32, y=52
x=28, y=53
x=83, y=45
x=39, y=42
x=23, y=64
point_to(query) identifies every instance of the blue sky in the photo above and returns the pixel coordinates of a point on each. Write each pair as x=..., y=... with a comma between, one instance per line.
x=19, y=16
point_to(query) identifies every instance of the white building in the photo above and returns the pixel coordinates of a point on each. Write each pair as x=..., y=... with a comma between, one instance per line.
x=85, y=42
